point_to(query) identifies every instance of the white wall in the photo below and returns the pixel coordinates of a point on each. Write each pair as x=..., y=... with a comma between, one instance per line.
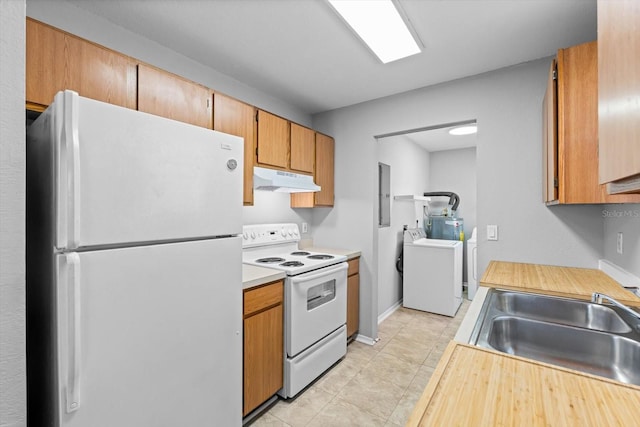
x=625, y=219
x=409, y=165
x=74, y=20
x=269, y=207
x=507, y=105
x=12, y=215
x=455, y=171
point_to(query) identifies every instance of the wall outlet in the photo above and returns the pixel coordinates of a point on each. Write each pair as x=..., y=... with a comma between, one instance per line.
x=619, y=243
x=305, y=227
x=492, y=232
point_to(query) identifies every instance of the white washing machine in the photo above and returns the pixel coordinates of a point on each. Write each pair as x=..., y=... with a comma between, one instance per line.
x=472, y=265
x=432, y=273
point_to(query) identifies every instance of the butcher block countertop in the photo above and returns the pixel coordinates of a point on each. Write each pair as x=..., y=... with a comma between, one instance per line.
x=553, y=280
x=482, y=387
x=477, y=387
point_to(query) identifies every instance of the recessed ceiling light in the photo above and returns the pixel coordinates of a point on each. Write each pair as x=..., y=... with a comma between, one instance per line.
x=464, y=130
x=379, y=24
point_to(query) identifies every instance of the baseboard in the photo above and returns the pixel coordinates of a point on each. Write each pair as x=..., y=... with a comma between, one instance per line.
x=370, y=341
x=618, y=274
x=389, y=311
x=365, y=339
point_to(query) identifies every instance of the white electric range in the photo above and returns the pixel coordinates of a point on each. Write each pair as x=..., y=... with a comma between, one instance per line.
x=315, y=301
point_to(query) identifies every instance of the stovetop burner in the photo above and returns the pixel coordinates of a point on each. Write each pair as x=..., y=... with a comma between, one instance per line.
x=270, y=260
x=292, y=264
x=276, y=246
x=320, y=256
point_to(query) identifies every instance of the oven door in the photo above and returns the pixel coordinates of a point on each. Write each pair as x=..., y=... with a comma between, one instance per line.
x=315, y=306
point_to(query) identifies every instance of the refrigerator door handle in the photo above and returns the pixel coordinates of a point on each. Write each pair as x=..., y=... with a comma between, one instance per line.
x=70, y=147
x=73, y=332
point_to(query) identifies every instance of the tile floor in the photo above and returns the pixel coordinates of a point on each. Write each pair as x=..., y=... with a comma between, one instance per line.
x=373, y=385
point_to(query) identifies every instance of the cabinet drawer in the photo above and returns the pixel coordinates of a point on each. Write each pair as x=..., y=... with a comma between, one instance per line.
x=354, y=266
x=263, y=297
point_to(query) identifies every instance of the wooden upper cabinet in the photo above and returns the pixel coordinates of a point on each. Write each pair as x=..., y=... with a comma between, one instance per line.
x=325, y=152
x=57, y=61
x=303, y=148
x=619, y=92
x=273, y=140
x=237, y=118
x=550, y=136
x=167, y=95
x=576, y=118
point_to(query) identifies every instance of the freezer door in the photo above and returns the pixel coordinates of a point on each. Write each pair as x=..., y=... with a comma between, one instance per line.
x=126, y=176
x=150, y=336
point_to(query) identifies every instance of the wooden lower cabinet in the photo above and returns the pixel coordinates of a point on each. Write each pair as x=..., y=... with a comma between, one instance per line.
x=353, y=296
x=263, y=344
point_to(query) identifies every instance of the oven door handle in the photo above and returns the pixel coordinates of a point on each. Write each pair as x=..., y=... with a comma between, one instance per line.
x=320, y=273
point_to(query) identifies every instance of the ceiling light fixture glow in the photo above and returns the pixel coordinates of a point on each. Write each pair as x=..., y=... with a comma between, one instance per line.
x=464, y=130
x=379, y=24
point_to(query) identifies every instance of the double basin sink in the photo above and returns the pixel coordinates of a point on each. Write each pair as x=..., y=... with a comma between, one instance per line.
x=588, y=337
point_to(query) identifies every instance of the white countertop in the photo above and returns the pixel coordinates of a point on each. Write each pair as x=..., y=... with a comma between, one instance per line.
x=253, y=275
x=349, y=253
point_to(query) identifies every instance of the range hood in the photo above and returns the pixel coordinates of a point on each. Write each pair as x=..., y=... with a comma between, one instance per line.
x=282, y=181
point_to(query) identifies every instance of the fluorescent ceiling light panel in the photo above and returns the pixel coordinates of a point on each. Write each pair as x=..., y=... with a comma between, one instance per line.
x=464, y=130
x=380, y=26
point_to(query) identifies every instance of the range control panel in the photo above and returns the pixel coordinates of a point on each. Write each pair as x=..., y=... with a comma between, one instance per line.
x=269, y=234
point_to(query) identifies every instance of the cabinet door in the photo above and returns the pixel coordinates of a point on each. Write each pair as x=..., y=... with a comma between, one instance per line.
x=550, y=137
x=263, y=357
x=167, y=95
x=323, y=176
x=325, y=149
x=237, y=118
x=57, y=61
x=353, y=297
x=578, y=128
x=303, y=148
x=578, y=124
x=273, y=140
x=619, y=89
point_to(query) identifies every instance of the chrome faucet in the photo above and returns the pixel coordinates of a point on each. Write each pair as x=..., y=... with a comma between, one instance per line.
x=598, y=297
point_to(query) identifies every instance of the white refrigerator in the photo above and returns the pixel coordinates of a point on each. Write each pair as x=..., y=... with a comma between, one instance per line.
x=134, y=269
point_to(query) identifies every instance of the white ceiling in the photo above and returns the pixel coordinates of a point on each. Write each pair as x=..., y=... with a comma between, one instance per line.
x=435, y=138
x=439, y=140
x=301, y=52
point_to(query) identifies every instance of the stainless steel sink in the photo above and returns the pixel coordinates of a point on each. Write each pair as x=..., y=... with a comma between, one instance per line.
x=572, y=333
x=598, y=353
x=561, y=310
